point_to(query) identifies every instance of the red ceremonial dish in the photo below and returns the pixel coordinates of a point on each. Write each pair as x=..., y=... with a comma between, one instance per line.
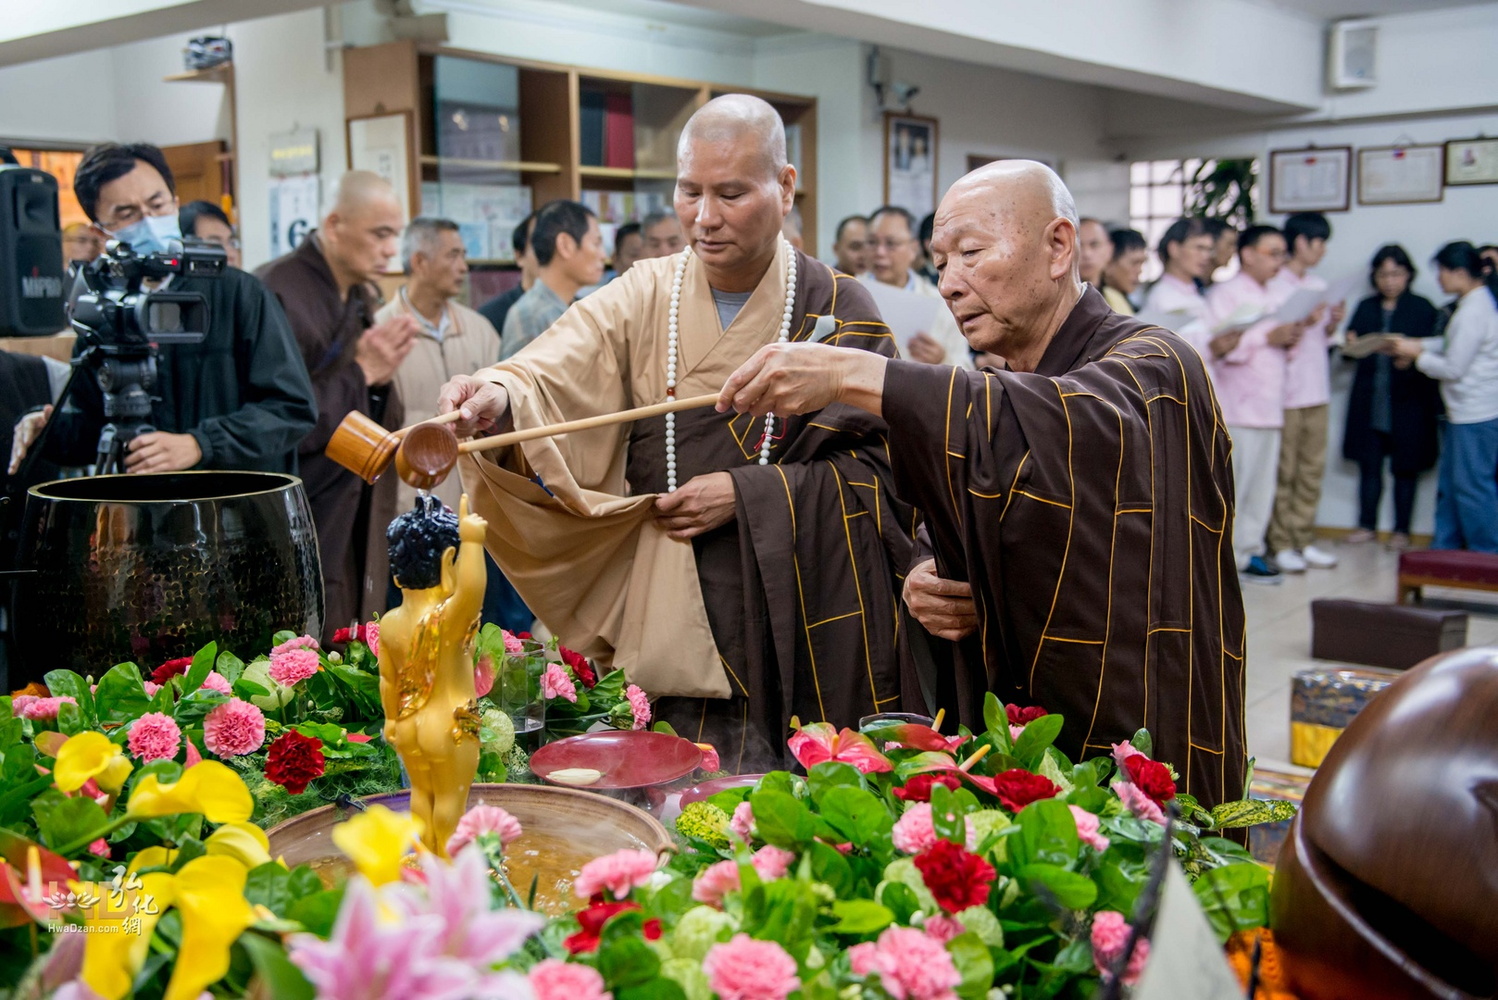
x=625, y=758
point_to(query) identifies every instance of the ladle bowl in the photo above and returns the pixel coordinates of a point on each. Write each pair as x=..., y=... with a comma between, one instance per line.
x=426, y=455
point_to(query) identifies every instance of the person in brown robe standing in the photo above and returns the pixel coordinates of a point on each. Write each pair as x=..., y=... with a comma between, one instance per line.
x=326, y=288
x=1079, y=502
x=765, y=584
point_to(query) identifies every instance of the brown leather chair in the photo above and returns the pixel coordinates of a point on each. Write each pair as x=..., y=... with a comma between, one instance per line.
x=1388, y=884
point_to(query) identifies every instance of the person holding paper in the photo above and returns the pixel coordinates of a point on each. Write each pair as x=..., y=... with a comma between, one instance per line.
x=1250, y=382
x=1393, y=412
x=892, y=234
x=1308, y=390
x=1467, y=367
x=1175, y=301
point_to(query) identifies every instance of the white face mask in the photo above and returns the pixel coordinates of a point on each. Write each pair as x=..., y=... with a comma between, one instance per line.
x=152, y=234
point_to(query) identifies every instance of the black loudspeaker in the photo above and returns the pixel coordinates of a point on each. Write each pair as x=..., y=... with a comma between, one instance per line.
x=31, y=268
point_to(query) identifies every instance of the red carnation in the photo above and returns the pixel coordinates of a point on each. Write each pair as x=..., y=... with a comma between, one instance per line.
x=341, y=636
x=956, y=877
x=1017, y=788
x=170, y=669
x=1023, y=716
x=1151, y=777
x=294, y=760
x=595, y=916
x=579, y=664
x=918, y=788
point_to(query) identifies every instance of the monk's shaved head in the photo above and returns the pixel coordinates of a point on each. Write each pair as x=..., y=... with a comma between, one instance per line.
x=358, y=189
x=360, y=233
x=1005, y=242
x=738, y=119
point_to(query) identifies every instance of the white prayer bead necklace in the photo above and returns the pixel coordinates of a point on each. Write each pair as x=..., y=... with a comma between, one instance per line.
x=672, y=340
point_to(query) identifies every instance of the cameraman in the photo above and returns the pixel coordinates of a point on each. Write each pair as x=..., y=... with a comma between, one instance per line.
x=241, y=399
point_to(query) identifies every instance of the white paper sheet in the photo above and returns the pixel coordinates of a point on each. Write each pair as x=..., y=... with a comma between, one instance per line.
x=905, y=313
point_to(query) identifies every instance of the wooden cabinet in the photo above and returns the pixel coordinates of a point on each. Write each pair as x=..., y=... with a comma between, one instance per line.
x=493, y=137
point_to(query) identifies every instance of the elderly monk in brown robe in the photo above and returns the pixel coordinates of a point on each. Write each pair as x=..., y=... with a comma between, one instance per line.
x=326, y=287
x=740, y=570
x=1079, y=502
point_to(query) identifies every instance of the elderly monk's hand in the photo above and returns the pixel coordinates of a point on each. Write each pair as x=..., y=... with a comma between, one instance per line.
x=384, y=346
x=485, y=404
x=924, y=347
x=159, y=451
x=800, y=378
x=943, y=607
x=702, y=504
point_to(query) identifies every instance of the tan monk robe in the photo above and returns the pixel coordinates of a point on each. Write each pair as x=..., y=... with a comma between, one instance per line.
x=802, y=612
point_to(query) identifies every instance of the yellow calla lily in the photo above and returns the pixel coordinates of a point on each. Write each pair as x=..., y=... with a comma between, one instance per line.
x=152, y=857
x=244, y=842
x=112, y=957
x=91, y=755
x=210, y=895
x=376, y=840
x=208, y=787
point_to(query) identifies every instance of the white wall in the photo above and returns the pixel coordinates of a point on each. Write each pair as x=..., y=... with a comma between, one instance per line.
x=66, y=99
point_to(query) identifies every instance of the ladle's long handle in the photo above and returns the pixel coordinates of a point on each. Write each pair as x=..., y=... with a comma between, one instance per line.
x=587, y=423
x=446, y=418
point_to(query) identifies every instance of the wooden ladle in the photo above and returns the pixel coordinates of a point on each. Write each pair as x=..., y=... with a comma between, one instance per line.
x=363, y=447
x=430, y=450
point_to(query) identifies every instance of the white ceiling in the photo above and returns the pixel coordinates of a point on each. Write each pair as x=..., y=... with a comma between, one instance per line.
x=1336, y=10
x=665, y=12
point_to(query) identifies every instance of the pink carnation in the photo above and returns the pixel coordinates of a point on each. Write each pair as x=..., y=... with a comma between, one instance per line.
x=746, y=969
x=216, y=681
x=618, y=872
x=914, y=832
x=1087, y=828
x=1138, y=803
x=483, y=675
x=556, y=684
x=554, y=979
x=300, y=642
x=151, y=688
x=512, y=642
x=942, y=927
x=742, y=823
x=155, y=736
x=639, y=706
x=772, y=862
x=479, y=820
x=372, y=637
x=234, y=728
x=99, y=847
x=291, y=666
x=29, y=706
x=715, y=882
x=1110, y=936
x=911, y=964
x=1122, y=752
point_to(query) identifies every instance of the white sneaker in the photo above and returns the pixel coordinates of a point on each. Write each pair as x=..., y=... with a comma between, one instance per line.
x=1319, y=558
x=1290, y=561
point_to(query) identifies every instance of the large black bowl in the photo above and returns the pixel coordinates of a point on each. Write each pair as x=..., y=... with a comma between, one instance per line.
x=152, y=567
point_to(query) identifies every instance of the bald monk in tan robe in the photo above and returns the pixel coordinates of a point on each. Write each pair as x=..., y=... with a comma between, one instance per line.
x=1079, y=502
x=766, y=584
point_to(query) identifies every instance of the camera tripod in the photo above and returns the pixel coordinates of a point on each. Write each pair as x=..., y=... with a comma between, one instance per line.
x=125, y=380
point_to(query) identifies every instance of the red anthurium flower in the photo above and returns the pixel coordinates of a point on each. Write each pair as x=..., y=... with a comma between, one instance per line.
x=820, y=741
x=1151, y=777
x=1023, y=715
x=1017, y=788
x=918, y=787
x=956, y=877
x=17, y=903
x=915, y=737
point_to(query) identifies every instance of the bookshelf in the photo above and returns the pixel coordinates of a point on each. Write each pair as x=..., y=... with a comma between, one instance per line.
x=493, y=137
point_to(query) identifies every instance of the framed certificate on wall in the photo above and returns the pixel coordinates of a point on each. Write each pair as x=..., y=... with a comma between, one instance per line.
x=1471, y=161
x=1310, y=180
x=1400, y=175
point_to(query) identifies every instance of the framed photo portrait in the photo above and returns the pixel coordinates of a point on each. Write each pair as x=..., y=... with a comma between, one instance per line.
x=1471, y=161
x=1399, y=175
x=382, y=143
x=910, y=162
x=1310, y=180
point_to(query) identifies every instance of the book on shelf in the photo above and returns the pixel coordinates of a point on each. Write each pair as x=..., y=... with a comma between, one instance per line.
x=619, y=132
x=593, y=111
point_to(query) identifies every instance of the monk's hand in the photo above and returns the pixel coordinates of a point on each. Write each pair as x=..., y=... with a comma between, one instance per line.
x=471, y=527
x=484, y=404
x=159, y=451
x=926, y=348
x=384, y=346
x=700, y=505
x=943, y=607
x=801, y=378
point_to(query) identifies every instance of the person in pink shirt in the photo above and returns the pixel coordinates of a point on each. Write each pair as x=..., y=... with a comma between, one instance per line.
x=1250, y=384
x=1307, y=392
x=1186, y=251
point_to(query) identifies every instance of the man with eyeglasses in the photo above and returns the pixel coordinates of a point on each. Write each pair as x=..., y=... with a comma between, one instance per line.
x=239, y=400
x=205, y=221
x=892, y=236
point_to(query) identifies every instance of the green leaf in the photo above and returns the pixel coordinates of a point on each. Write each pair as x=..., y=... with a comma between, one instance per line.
x=1250, y=812
x=202, y=663
x=660, y=988
x=1223, y=851
x=831, y=774
x=861, y=917
x=317, y=912
x=230, y=666
x=627, y=962
x=995, y=718
x=781, y=819
x=828, y=865
x=193, y=707
x=1067, y=889
x=1143, y=742
x=858, y=815
x=122, y=694
x=783, y=911
x=15, y=801
x=973, y=961
x=364, y=688
x=1118, y=889
x=270, y=886
x=1053, y=766
x=1090, y=772
x=1036, y=737
x=779, y=781
x=1234, y=898
x=273, y=968
x=948, y=819
x=1047, y=834
x=662, y=726
x=901, y=901
x=65, y=682
x=61, y=819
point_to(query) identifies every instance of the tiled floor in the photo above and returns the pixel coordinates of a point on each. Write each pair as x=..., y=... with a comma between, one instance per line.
x=1279, y=634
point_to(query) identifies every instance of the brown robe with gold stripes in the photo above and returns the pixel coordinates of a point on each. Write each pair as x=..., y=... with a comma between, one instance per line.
x=1090, y=506
x=789, y=609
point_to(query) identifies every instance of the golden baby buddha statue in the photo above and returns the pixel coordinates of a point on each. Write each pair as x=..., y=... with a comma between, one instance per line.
x=426, y=659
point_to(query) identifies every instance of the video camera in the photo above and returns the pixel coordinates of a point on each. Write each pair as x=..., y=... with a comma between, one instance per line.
x=108, y=308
